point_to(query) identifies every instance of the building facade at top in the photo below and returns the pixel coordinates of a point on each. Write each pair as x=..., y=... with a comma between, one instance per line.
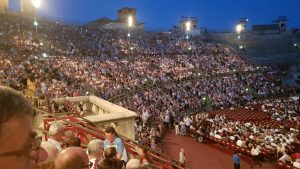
x=26, y=6
x=120, y=23
x=194, y=30
x=280, y=25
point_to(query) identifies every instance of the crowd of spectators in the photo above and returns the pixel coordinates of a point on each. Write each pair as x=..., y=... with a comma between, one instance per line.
x=281, y=140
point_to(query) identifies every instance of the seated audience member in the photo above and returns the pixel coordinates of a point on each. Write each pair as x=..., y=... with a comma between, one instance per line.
x=95, y=151
x=133, y=164
x=142, y=155
x=110, y=159
x=52, y=152
x=72, y=158
x=255, y=152
x=19, y=147
x=296, y=163
x=240, y=143
x=286, y=158
x=56, y=132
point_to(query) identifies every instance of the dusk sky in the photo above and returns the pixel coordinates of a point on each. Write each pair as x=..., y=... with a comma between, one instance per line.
x=163, y=14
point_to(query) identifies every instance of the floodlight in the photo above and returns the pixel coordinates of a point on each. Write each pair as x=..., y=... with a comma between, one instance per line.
x=130, y=21
x=36, y=3
x=188, y=26
x=35, y=23
x=239, y=28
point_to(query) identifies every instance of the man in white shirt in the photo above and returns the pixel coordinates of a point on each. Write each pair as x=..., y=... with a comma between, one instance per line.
x=145, y=116
x=167, y=120
x=94, y=151
x=56, y=132
x=217, y=135
x=240, y=143
x=296, y=164
x=286, y=157
x=255, y=152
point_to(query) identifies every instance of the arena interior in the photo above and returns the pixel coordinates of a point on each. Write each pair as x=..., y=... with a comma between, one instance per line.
x=176, y=100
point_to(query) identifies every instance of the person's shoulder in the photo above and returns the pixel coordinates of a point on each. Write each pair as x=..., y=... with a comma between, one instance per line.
x=118, y=139
x=105, y=142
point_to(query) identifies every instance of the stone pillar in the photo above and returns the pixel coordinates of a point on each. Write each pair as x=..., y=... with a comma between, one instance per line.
x=100, y=111
x=126, y=128
x=95, y=109
x=4, y=6
x=87, y=106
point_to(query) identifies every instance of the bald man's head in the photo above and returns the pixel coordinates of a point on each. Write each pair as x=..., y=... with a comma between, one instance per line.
x=72, y=158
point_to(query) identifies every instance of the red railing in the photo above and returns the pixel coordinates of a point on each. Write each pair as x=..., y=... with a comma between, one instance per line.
x=85, y=132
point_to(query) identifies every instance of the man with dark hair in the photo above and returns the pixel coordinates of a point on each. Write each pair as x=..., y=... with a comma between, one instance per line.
x=74, y=142
x=112, y=140
x=110, y=161
x=19, y=147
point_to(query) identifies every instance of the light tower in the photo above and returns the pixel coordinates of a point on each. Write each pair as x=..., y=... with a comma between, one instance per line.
x=130, y=23
x=36, y=4
x=282, y=22
x=241, y=28
x=187, y=29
